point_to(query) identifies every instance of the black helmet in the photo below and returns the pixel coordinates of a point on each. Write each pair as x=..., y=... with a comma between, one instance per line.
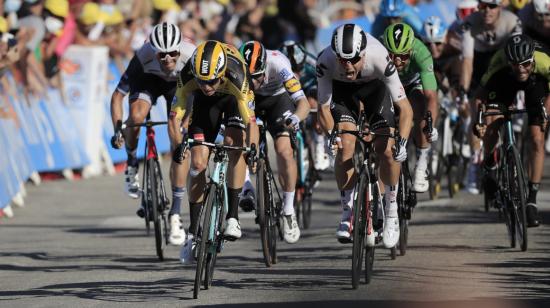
x=295, y=53
x=519, y=48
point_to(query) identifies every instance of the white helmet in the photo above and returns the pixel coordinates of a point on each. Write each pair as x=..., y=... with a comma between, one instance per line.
x=542, y=6
x=165, y=37
x=348, y=41
x=465, y=8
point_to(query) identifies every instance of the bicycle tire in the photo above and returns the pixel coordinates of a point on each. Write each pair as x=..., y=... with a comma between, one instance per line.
x=212, y=255
x=360, y=207
x=262, y=204
x=306, y=203
x=518, y=196
x=203, y=245
x=275, y=229
x=153, y=194
x=403, y=208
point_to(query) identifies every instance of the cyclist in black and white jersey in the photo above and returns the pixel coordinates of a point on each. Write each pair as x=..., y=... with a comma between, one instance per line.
x=152, y=72
x=356, y=69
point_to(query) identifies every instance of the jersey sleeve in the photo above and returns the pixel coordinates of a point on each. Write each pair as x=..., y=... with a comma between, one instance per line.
x=134, y=70
x=426, y=67
x=324, y=78
x=291, y=83
x=186, y=85
x=245, y=103
x=468, y=41
x=386, y=71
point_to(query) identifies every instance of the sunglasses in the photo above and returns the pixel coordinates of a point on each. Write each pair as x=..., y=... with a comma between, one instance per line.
x=353, y=60
x=207, y=82
x=172, y=54
x=524, y=64
x=257, y=76
x=484, y=6
x=402, y=57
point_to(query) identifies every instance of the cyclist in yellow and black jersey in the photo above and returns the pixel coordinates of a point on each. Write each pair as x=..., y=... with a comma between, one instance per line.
x=217, y=79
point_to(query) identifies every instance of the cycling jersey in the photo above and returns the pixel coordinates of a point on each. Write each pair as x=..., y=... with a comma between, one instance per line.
x=542, y=65
x=145, y=61
x=420, y=67
x=376, y=65
x=278, y=77
x=479, y=37
x=502, y=86
x=533, y=26
x=235, y=82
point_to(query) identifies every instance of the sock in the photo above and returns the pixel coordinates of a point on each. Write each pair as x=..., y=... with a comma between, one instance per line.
x=132, y=157
x=194, y=216
x=391, y=200
x=466, y=126
x=319, y=138
x=533, y=190
x=177, y=198
x=247, y=182
x=422, y=161
x=233, y=200
x=288, y=202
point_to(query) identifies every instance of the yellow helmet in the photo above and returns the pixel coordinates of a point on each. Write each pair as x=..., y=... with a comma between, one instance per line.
x=89, y=14
x=59, y=8
x=163, y=5
x=114, y=18
x=3, y=25
x=518, y=4
x=209, y=61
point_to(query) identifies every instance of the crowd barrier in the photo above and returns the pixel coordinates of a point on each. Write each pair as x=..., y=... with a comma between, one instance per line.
x=49, y=134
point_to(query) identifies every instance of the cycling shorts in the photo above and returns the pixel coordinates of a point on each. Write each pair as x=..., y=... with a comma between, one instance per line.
x=375, y=97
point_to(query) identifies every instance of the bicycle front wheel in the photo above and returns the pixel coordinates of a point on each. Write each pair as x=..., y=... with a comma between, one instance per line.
x=263, y=204
x=360, y=208
x=204, y=245
x=217, y=241
x=517, y=195
x=154, y=207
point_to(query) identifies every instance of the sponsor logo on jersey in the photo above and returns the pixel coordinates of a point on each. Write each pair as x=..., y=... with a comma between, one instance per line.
x=251, y=105
x=285, y=74
x=293, y=85
x=390, y=69
x=492, y=95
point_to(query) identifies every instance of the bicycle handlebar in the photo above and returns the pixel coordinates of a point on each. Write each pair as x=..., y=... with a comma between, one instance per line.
x=360, y=134
x=144, y=124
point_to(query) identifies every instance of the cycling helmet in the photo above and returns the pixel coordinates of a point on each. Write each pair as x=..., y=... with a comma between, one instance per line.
x=253, y=53
x=209, y=61
x=497, y=2
x=434, y=30
x=399, y=38
x=518, y=4
x=519, y=48
x=392, y=8
x=542, y=6
x=465, y=8
x=59, y=8
x=295, y=53
x=348, y=41
x=165, y=37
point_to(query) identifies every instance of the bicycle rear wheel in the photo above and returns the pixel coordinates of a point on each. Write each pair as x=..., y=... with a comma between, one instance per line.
x=307, y=199
x=517, y=193
x=360, y=207
x=403, y=208
x=154, y=207
x=369, y=250
x=263, y=204
x=203, y=246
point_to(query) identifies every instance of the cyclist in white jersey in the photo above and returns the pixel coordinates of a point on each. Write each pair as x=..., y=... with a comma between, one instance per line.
x=356, y=69
x=535, y=18
x=152, y=72
x=484, y=32
x=278, y=97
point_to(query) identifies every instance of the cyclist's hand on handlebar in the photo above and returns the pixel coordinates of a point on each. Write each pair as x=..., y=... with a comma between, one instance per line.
x=400, y=149
x=117, y=140
x=479, y=130
x=293, y=121
x=332, y=146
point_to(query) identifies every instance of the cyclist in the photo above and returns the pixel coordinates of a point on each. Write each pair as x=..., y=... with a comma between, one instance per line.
x=393, y=11
x=535, y=18
x=279, y=96
x=303, y=66
x=484, y=32
x=152, y=73
x=356, y=68
x=500, y=89
x=217, y=78
x=414, y=65
x=463, y=10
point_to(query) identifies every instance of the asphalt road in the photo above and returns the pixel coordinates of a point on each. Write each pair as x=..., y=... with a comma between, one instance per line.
x=79, y=244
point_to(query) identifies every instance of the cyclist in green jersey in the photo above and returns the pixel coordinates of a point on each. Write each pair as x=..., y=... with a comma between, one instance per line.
x=414, y=65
